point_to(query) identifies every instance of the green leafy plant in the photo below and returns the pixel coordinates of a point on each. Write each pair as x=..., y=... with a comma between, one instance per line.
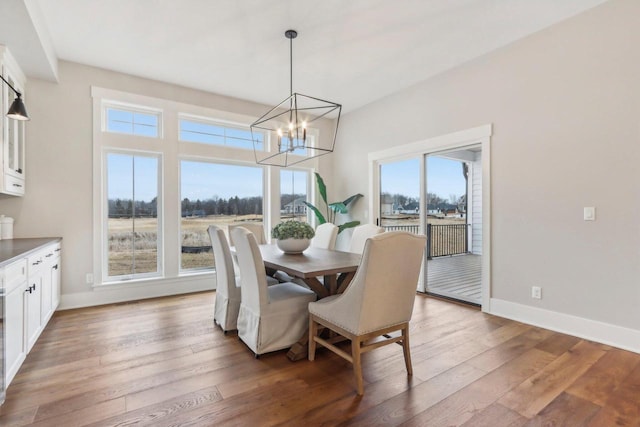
x=332, y=208
x=292, y=230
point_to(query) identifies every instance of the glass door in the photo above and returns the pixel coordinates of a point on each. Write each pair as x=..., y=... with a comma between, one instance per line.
x=453, y=269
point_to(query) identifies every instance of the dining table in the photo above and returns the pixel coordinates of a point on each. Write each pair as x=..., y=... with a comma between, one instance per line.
x=337, y=269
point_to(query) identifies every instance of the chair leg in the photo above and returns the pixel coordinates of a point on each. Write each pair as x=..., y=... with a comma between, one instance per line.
x=406, y=349
x=313, y=331
x=357, y=365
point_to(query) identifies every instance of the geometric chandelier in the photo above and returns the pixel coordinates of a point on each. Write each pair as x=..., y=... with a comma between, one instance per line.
x=288, y=125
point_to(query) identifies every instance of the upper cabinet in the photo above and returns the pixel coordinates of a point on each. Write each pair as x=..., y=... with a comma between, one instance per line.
x=12, y=137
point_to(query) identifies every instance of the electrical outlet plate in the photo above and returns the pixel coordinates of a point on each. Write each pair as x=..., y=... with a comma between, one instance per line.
x=89, y=278
x=536, y=292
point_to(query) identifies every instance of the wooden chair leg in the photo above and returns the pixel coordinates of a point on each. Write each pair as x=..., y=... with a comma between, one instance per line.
x=313, y=331
x=406, y=349
x=357, y=365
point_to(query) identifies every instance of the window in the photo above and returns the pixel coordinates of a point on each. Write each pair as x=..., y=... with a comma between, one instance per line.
x=293, y=192
x=132, y=122
x=155, y=201
x=132, y=227
x=208, y=132
x=215, y=194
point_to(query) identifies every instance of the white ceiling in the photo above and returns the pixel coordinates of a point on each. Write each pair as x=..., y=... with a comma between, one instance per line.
x=351, y=52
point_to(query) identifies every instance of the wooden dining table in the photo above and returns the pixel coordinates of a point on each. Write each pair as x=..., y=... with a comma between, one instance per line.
x=336, y=267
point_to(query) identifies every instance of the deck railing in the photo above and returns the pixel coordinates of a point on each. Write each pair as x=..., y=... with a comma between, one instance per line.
x=443, y=240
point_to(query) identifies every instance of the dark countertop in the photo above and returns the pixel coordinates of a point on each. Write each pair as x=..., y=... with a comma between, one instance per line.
x=13, y=249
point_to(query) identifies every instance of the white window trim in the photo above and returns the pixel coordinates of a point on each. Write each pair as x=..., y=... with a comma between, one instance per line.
x=134, y=108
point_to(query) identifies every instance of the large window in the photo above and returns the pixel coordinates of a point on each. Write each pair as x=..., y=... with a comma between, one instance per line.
x=163, y=172
x=132, y=226
x=215, y=194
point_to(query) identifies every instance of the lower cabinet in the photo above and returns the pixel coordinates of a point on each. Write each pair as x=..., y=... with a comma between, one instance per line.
x=33, y=293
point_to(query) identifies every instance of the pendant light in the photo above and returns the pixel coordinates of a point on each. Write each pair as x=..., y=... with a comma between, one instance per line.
x=288, y=125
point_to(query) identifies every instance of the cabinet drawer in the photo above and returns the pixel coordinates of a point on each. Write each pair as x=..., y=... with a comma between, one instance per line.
x=13, y=185
x=36, y=261
x=15, y=274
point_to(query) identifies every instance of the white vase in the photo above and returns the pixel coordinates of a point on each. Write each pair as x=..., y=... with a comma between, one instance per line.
x=293, y=246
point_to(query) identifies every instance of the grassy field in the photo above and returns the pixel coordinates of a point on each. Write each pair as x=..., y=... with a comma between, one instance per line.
x=194, y=233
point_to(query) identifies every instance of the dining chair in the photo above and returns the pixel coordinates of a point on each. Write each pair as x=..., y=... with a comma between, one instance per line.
x=255, y=228
x=378, y=302
x=271, y=317
x=325, y=238
x=360, y=235
x=228, y=293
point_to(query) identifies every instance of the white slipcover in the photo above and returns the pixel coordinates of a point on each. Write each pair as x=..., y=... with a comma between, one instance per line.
x=228, y=298
x=360, y=235
x=271, y=317
x=325, y=237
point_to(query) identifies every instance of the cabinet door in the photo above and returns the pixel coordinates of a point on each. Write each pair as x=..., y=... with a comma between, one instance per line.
x=14, y=331
x=55, y=284
x=13, y=133
x=33, y=309
x=46, y=295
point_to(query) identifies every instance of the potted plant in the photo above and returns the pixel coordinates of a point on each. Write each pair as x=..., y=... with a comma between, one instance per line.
x=332, y=208
x=293, y=237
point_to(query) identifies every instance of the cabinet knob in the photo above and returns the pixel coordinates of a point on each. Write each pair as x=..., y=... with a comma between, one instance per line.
x=55, y=267
x=19, y=170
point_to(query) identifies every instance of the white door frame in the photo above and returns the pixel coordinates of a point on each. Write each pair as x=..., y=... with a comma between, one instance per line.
x=474, y=136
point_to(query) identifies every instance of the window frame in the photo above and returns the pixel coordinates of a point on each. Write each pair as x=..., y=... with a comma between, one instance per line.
x=106, y=279
x=221, y=123
x=131, y=108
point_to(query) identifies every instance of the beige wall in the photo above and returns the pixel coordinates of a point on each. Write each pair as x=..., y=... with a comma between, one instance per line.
x=58, y=200
x=565, y=109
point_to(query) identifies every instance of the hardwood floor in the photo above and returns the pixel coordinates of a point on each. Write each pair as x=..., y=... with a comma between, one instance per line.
x=162, y=362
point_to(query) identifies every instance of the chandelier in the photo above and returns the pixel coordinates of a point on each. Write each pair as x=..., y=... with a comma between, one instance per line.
x=289, y=124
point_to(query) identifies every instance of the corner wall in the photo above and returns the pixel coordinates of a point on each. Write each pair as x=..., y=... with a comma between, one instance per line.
x=565, y=109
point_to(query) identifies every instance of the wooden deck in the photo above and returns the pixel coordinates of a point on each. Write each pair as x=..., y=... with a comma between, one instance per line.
x=456, y=277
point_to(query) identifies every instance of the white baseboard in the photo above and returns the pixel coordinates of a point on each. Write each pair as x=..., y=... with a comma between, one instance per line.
x=109, y=294
x=593, y=330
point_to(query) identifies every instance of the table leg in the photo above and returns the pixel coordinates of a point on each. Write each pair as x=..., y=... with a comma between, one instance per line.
x=299, y=350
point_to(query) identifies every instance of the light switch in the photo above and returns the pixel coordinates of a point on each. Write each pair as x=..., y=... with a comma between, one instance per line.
x=590, y=214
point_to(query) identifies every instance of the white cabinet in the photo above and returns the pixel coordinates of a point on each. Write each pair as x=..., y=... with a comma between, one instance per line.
x=32, y=287
x=12, y=173
x=15, y=283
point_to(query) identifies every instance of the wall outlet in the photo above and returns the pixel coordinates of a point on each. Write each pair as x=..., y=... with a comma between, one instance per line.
x=536, y=292
x=89, y=278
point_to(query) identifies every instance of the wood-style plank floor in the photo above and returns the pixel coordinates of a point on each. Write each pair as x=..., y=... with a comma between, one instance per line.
x=161, y=362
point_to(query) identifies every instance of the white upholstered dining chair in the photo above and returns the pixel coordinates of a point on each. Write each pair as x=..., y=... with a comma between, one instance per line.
x=228, y=292
x=255, y=228
x=379, y=301
x=325, y=237
x=271, y=317
x=360, y=235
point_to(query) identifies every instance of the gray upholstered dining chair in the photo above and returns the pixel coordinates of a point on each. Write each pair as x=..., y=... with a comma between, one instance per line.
x=379, y=301
x=271, y=317
x=360, y=235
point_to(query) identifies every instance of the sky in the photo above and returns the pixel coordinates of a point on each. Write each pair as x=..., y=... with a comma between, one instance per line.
x=202, y=180
x=444, y=177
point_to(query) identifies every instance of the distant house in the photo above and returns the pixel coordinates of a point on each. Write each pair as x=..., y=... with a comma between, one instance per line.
x=386, y=205
x=297, y=207
x=411, y=208
x=196, y=213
